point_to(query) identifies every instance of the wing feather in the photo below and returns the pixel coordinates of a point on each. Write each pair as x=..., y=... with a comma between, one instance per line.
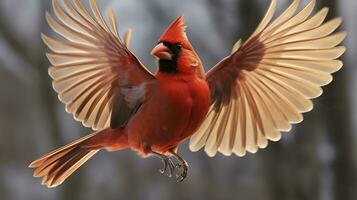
x=267, y=82
x=318, y=32
x=267, y=18
x=113, y=22
x=286, y=15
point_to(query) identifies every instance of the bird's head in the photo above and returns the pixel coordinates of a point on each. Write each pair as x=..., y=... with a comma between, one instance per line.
x=174, y=51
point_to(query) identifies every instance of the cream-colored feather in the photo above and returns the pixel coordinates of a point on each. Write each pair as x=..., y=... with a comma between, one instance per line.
x=127, y=37
x=236, y=46
x=277, y=71
x=113, y=22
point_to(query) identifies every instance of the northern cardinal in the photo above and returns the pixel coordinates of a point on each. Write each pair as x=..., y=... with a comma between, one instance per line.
x=245, y=100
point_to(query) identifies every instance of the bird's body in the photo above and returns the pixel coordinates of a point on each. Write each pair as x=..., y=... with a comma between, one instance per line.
x=248, y=98
x=171, y=114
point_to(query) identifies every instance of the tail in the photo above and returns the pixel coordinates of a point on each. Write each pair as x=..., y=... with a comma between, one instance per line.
x=56, y=166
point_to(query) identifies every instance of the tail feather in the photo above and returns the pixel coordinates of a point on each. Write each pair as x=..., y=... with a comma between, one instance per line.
x=40, y=160
x=56, y=166
x=61, y=171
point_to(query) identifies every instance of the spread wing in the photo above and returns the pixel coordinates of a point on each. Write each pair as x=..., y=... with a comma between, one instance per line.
x=268, y=81
x=95, y=75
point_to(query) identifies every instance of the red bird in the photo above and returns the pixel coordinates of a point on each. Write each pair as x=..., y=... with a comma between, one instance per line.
x=248, y=98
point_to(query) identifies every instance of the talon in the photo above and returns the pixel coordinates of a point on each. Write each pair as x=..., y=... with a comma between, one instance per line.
x=182, y=166
x=168, y=167
x=164, y=167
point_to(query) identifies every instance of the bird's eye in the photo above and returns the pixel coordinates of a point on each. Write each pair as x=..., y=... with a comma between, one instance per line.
x=166, y=44
x=178, y=46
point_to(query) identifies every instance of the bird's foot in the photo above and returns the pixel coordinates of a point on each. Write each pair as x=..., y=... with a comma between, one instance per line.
x=181, y=168
x=169, y=166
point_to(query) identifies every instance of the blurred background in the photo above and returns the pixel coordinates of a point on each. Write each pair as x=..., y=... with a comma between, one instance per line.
x=317, y=160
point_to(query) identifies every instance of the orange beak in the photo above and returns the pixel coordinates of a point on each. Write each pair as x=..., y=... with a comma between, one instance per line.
x=161, y=52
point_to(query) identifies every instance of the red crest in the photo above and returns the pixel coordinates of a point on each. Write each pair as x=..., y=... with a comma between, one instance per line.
x=176, y=33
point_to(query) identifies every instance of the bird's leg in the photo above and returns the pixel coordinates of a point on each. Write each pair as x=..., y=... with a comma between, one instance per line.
x=182, y=166
x=169, y=166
